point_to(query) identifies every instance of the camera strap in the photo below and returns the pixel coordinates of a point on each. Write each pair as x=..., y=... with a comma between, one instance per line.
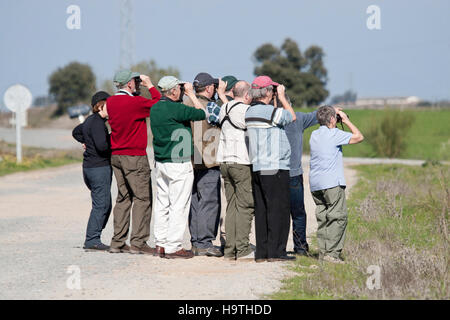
x=227, y=117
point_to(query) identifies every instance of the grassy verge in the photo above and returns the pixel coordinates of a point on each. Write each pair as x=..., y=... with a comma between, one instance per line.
x=428, y=138
x=398, y=221
x=34, y=158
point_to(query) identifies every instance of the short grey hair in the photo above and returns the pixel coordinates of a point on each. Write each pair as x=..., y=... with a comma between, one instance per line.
x=260, y=93
x=240, y=89
x=166, y=93
x=324, y=115
x=120, y=86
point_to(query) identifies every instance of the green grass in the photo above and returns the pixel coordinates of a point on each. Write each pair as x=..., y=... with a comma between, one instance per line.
x=34, y=158
x=408, y=240
x=428, y=138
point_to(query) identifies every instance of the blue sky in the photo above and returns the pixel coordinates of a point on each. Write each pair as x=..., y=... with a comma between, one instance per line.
x=408, y=56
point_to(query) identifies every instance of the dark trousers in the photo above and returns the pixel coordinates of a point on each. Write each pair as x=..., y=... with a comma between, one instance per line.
x=272, y=213
x=134, y=191
x=298, y=214
x=98, y=181
x=204, y=215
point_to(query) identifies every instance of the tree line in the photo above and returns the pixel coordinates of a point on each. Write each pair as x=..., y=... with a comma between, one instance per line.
x=303, y=74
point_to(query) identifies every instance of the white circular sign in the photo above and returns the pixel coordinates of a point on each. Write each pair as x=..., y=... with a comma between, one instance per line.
x=17, y=98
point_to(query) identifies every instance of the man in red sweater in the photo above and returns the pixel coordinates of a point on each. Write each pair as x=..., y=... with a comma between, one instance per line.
x=127, y=113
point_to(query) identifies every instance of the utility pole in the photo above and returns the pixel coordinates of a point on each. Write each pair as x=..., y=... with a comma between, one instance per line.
x=127, y=35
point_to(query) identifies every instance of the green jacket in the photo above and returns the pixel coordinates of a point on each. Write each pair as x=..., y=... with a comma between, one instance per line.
x=172, y=134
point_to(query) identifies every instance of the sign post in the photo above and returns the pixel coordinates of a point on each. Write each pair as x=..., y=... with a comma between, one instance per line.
x=18, y=99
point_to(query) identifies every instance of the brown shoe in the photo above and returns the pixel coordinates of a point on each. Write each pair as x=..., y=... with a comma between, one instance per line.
x=146, y=249
x=135, y=250
x=159, y=251
x=180, y=254
x=260, y=260
x=122, y=249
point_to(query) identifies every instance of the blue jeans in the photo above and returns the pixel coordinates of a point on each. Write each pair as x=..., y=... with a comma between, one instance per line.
x=204, y=214
x=98, y=180
x=298, y=214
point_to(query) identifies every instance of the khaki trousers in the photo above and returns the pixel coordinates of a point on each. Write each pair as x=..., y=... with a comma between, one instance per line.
x=134, y=190
x=240, y=208
x=331, y=215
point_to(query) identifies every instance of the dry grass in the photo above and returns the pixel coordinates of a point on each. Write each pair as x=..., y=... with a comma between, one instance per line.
x=398, y=221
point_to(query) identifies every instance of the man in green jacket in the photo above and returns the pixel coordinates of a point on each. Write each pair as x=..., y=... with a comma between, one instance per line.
x=172, y=143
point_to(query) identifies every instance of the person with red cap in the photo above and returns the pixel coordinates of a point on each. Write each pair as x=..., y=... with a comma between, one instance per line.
x=269, y=152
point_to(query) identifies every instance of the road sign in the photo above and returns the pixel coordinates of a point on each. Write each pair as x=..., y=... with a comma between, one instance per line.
x=18, y=99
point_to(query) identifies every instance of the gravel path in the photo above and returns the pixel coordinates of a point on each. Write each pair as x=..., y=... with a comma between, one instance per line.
x=43, y=216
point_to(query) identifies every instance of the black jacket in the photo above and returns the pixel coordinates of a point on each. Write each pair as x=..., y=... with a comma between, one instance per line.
x=94, y=134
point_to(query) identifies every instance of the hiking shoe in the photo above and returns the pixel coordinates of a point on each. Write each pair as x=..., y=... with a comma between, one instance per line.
x=97, y=247
x=333, y=259
x=146, y=249
x=209, y=252
x=248, y=257
x=180, y=254
x=301, y=253
x=214, y=252
x=135, y=250
x=261, y=260
x=122, y=249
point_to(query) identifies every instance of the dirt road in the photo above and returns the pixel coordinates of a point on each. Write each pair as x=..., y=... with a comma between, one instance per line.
x=43, y=215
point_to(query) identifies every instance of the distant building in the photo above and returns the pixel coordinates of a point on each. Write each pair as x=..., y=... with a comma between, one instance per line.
x=382, y=102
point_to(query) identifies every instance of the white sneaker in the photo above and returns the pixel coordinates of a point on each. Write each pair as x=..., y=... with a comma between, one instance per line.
x=250, y=256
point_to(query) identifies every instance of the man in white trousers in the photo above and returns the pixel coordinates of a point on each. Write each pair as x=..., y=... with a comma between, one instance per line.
x=172, y=143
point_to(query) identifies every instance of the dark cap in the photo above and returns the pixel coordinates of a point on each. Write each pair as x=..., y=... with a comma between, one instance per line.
x=204, y=79
x=231, y=81
x=99, y=96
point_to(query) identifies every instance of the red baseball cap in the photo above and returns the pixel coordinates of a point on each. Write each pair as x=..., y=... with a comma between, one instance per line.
x=262, y=82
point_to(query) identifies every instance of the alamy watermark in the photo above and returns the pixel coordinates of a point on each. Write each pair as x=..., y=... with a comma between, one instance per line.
x=374, y=280
x=374, y=20
x=73, y=282
x=73, y=22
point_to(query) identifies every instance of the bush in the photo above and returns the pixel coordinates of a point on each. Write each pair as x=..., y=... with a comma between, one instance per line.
x=387, y=137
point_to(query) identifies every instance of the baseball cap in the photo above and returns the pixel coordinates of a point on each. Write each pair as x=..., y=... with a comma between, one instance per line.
x=204, y=79
x=231, y=81
x=168, y=82
x=262, y=82
x=99, y=96
x=123, y=76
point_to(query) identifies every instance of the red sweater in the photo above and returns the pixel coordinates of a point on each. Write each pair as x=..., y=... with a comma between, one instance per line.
x=127, y=119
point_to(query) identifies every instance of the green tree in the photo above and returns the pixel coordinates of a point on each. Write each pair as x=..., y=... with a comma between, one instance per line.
x=72, y=84
x=148, y=68
x=304, y=75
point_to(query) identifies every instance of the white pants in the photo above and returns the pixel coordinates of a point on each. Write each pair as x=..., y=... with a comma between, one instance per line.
x=173, y=200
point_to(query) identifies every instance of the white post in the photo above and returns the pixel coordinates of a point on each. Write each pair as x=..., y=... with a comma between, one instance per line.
x=19, y=135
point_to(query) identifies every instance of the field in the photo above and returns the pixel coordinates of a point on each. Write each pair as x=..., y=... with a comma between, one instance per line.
x=398, y=223
x=34, y=158
x=427, y=139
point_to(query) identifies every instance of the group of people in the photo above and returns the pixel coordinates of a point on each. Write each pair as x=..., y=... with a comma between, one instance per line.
x=250, y=137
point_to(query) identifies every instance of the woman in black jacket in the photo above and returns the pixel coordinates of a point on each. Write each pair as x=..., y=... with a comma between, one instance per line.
x=97, y=172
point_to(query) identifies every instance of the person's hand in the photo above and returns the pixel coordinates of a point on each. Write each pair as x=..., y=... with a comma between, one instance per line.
x=222, y=87
x=344, y=117
x=84, y=146
x=281, y=90
x=188, y=89
x=146, y=81
x=337, y=109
